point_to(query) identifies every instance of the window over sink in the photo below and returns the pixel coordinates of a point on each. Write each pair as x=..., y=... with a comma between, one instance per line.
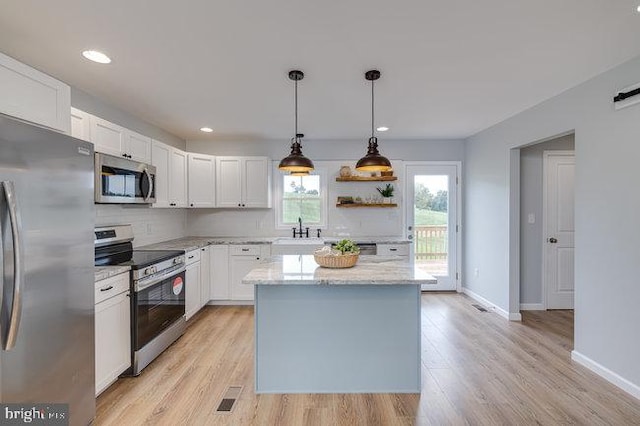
x=302, y=197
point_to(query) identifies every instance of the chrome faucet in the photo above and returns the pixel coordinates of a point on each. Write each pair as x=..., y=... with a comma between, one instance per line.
x=299, y=232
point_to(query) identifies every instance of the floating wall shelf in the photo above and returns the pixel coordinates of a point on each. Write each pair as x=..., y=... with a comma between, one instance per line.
x=352, y=205
x=366, y=179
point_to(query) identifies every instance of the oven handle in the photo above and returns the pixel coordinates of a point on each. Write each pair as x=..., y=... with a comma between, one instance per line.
x=141, y=285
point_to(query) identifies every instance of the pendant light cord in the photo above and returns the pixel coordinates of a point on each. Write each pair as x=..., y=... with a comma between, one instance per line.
x=296, y=107
x=372, y=102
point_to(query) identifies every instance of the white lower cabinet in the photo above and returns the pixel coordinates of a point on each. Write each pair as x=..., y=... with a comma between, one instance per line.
x=219, y=272
x=192, y=278
x=112, y=330
x=243, y=258
x=205, y=276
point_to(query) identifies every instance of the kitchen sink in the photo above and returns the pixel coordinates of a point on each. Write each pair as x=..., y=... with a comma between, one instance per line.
x=299, y=241
x=290, y=245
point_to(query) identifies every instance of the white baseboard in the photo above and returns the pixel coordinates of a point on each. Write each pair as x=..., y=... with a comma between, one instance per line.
x=489, y=305
x=532, y=307
x=604, y=372
x=230, y=303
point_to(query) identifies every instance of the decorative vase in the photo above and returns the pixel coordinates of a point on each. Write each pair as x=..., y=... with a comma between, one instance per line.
x=386, y=200
x=345, y=171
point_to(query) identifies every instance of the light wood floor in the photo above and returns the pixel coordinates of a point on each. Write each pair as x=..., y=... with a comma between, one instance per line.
x=478, y=369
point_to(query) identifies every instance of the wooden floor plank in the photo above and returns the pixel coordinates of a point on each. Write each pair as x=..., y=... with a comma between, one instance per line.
x=477, y=369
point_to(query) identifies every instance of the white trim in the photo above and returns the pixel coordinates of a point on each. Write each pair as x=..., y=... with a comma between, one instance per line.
x=532, y=307
x=458, y=166
x=489, y=305
x=230, y=303
x=605, y=373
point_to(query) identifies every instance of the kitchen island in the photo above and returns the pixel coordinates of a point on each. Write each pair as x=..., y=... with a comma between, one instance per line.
x=354, y=330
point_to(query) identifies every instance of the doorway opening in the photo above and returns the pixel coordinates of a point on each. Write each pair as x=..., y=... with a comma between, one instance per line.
x=433, y=220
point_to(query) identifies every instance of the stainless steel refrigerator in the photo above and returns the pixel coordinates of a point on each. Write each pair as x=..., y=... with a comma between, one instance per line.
x=47, y=268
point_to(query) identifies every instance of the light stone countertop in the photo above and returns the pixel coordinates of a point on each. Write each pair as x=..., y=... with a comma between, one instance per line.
x=370, y=270
x=194, y=243
x=104, y=272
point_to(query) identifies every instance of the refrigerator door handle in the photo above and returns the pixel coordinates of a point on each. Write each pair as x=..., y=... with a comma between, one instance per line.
x=9, y=340
x=146, y=172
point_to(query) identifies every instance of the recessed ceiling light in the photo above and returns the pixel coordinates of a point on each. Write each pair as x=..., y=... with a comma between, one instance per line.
x=382, y=129
x=95, y=56
x=638, y=9
x=206, y=129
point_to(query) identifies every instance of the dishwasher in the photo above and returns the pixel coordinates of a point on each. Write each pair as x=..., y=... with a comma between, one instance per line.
x=366, y=249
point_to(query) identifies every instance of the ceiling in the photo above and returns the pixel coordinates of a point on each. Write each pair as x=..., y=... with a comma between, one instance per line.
x=450, y=68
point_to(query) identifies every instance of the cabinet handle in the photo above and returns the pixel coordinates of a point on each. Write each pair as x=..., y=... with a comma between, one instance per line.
x=190, y=257
x=106, y=289
x=257, y=258
x=243, y=205
x=239, y=205
x=393, y=249
x=191, y=204
x=245, y=249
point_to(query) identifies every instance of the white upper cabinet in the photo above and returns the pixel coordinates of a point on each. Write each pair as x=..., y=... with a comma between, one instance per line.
x=33, y=96
x=138, y=147
x=243, y=182
x=80, y=125
x=112, y=139
x=171, y=175
x=160, y=154
x=178, y=178
x=201, y=181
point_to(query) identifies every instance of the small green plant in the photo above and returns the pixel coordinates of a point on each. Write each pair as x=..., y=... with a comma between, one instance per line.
x=387, y=191
x=347, y=246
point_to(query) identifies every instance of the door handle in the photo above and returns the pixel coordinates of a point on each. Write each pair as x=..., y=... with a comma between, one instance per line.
x=9, y=340
x=148, y=175
x=553, y=240
x=409, y=237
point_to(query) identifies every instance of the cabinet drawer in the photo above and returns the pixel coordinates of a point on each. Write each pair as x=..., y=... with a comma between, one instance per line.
x=245, y=250
x=393, y=249
x=192, y=256
x=110, y=287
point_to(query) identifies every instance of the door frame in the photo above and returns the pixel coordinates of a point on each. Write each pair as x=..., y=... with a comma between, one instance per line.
x=458, y=166
x=545, y=204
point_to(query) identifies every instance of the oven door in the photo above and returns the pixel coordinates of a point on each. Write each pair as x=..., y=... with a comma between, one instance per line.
x=122, y=181
x=156, y=305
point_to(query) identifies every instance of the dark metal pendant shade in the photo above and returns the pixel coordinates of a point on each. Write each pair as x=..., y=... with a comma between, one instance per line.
x=373, y=161
x=296, y=162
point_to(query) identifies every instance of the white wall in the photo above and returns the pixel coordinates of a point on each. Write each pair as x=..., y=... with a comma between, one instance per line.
x=607, y=145
x=329, y=154
x=149, y=225
x=531, y=234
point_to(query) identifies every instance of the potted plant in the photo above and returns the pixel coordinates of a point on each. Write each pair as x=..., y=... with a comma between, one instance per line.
x=386, y=192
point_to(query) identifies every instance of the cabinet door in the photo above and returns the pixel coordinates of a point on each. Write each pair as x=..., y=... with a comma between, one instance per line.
x=112, y=339
x=34, y=96
x=240, y=266
x=256, y=183
x=228, y=182
x=201, y=181
x=205, y=276
x=178, y=178
x=160, y=154
x=80, y=125
x=138, y=146
x=220, y=289
x=107, y=137
x=192, y=289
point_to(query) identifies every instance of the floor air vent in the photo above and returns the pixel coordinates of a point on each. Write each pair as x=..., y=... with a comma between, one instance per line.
x=229, y=399
x=480, y=308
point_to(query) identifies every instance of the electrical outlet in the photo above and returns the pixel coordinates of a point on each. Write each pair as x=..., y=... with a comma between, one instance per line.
x=476, y=272
x=149, y=230
x=531, y=218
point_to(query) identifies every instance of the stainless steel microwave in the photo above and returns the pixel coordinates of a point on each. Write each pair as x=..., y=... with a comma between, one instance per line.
x=122, y=181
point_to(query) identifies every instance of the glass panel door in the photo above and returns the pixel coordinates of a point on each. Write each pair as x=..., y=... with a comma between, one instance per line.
x=432, y=221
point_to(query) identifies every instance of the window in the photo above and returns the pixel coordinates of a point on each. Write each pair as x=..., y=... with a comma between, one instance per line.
x=302, y=197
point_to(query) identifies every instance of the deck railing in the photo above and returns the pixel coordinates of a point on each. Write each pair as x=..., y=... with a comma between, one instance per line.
x=431, y=242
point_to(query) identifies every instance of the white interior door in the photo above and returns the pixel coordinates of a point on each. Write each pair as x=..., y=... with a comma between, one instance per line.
x=432, y=220
x=559, y=171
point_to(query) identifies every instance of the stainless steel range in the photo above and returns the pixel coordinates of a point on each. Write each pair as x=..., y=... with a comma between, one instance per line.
x=158, y=289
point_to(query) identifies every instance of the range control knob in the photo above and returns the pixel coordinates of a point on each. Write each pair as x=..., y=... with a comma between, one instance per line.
x=148, y=271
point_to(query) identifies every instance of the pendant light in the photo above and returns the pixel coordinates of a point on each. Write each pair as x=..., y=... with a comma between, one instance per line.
x=373, y=161
x=296, y=161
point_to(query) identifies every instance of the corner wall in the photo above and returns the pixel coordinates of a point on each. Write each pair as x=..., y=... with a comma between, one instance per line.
x=606, y=205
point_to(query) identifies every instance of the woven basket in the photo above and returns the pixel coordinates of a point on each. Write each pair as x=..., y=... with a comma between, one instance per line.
x=343, y=261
